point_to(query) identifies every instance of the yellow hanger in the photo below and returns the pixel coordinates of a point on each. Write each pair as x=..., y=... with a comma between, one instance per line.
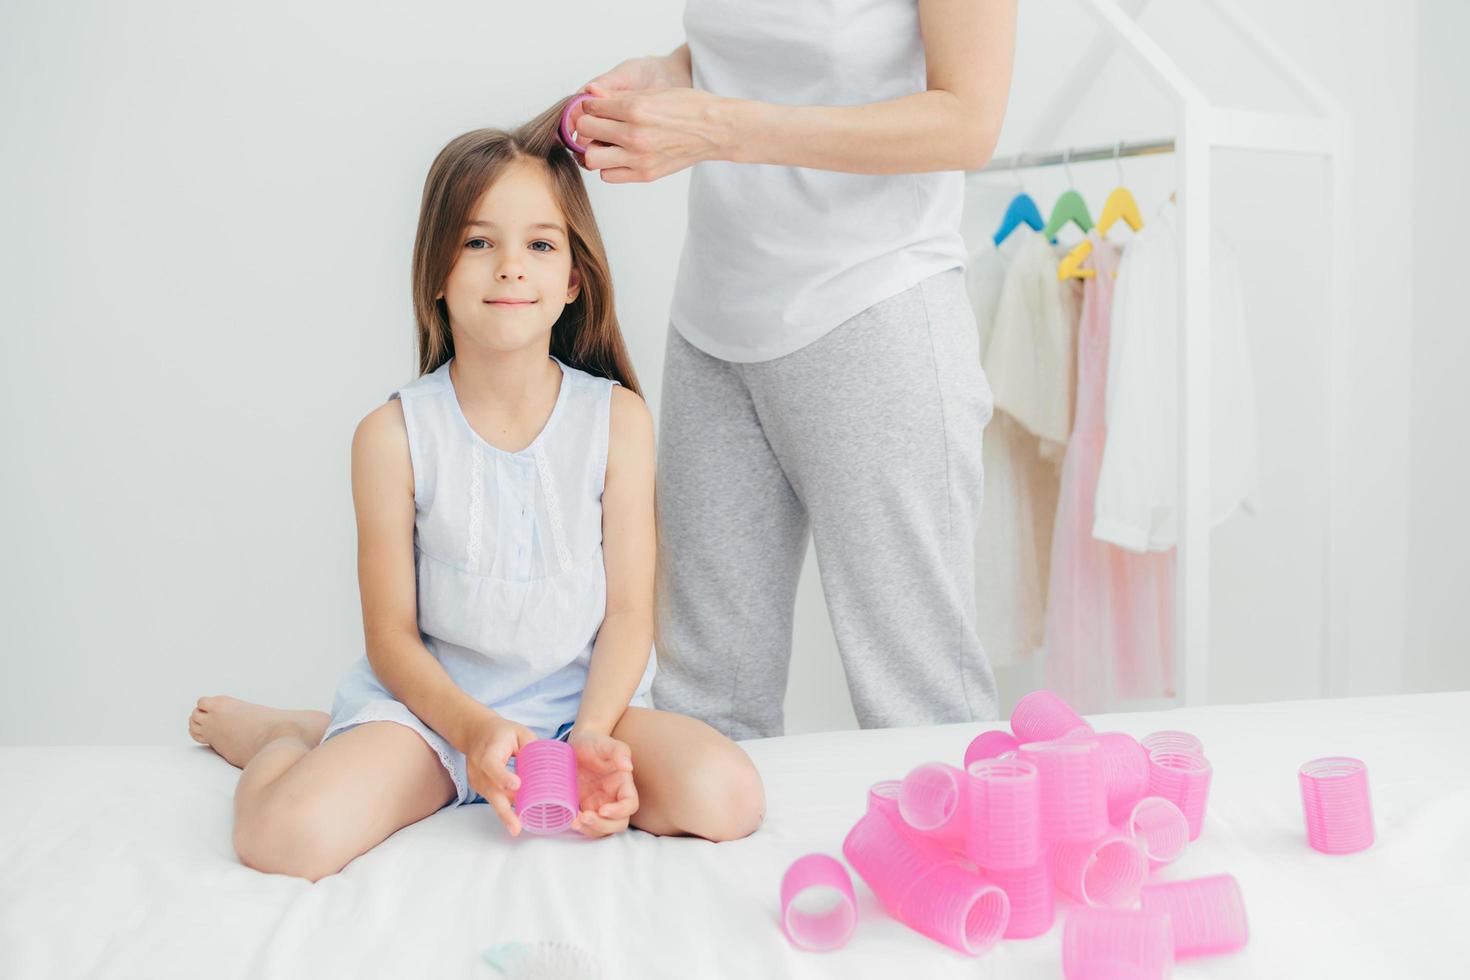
x=1120, y=204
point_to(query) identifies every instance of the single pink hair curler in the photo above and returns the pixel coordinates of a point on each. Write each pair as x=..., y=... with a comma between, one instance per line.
x=1106, y=872
x=957, y=907
x=891, y=857
x=1005, y=814
x=991, y=745
x=1041, y=716
x=1033, y=908
x=1335, y=801
x=1099, y=943
x=1159, y=827
x=1173, y=741
x=818, y=907
x=934, y=799
x=1207, y=915
x=1125, y=771
x=883, y=796
x=1182, y=778
x=1074, y=801
x=546, y=801
x=565, y=131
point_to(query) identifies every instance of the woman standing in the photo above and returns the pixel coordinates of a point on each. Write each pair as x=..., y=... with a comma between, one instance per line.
x=823, y=374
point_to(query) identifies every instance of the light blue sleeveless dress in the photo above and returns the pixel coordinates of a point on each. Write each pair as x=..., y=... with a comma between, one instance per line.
x=508, y=557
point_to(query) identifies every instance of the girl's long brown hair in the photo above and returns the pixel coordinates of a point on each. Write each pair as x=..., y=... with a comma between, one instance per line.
x=586, y=335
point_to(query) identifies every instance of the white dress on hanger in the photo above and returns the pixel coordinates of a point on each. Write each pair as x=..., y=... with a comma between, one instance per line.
x=1137, y=504
x=1016, y=295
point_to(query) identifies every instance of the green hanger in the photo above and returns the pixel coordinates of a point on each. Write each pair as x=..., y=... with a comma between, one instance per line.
x=1069, y=208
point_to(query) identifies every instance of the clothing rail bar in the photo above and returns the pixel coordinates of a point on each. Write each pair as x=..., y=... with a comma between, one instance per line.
x=1026, y=161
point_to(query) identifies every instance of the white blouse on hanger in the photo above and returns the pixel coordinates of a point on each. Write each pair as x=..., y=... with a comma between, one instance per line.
x=1014, y=291
x=1137, y=492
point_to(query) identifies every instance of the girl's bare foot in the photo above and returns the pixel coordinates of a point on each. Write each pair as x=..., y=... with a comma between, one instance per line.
x=238, y=729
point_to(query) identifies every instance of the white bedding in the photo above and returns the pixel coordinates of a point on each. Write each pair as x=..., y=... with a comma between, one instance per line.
x=116, y=862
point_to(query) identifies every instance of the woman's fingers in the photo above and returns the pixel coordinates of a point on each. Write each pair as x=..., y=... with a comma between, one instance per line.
x=592, y=127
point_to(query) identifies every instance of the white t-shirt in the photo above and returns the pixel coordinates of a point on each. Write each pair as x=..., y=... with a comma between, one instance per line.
x=1137, y=503
x=776, y=256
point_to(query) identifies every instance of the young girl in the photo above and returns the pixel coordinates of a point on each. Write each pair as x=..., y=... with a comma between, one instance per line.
x=506, y=542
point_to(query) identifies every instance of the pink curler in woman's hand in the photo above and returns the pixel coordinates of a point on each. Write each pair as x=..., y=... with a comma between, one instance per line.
x=1182, y=778
x=546, y=801
x=991, y=745
x=957, y=907
x=1106, y=872
x=1033, y=908
x=1042, y=715
x=1172, y=741
x=1074, y=801
x=818, y=907
x=566, y=131
x=1099, y=943
x=1005, y=814
x=1336, y=804
x=1160, y=828
x=934, y=799
x=1207, y=915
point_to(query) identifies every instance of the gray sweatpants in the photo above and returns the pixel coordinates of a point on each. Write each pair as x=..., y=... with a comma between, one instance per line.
x=868, y=439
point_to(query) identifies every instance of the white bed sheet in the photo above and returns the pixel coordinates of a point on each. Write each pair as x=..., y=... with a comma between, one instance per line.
x=116, y=862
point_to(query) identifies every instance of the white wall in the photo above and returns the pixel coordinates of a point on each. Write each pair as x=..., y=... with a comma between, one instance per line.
x=204, y=255
x=1437, y=656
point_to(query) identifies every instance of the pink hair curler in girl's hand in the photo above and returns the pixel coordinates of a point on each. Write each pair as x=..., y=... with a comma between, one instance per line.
x=818, y=907
x=1336, y=804
x=546, y=801
x=566, y=131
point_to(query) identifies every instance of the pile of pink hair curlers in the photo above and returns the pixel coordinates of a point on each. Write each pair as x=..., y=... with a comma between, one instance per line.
x=1051, y=808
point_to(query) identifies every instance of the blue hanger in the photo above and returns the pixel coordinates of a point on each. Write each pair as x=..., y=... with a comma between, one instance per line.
x=1021, y=210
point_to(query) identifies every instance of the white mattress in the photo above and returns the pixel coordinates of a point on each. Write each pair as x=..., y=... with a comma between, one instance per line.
x=116, y=862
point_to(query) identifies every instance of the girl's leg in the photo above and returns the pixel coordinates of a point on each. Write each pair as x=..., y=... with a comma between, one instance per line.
x=307, y=809
x=691, y=779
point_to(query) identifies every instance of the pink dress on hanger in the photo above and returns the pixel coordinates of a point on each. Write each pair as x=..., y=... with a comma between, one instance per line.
x=1110, y=612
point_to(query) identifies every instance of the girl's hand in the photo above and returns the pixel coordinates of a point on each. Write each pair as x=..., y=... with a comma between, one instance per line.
x=605, y=790
x=640, y=136
x=492, y=742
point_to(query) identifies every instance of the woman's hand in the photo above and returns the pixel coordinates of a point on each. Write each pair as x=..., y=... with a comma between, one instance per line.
x=605, y=791
x=643, y=135
x=492, y=742
x=642, y=74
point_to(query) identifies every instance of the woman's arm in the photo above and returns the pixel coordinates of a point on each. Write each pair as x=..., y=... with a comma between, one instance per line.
x=382, y=494
x=629, y=546
x=952, y=125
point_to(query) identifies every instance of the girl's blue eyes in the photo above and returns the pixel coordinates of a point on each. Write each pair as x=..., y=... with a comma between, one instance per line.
x=471, y=245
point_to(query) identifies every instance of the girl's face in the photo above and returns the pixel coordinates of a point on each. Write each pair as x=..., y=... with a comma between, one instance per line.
x=514, y=274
